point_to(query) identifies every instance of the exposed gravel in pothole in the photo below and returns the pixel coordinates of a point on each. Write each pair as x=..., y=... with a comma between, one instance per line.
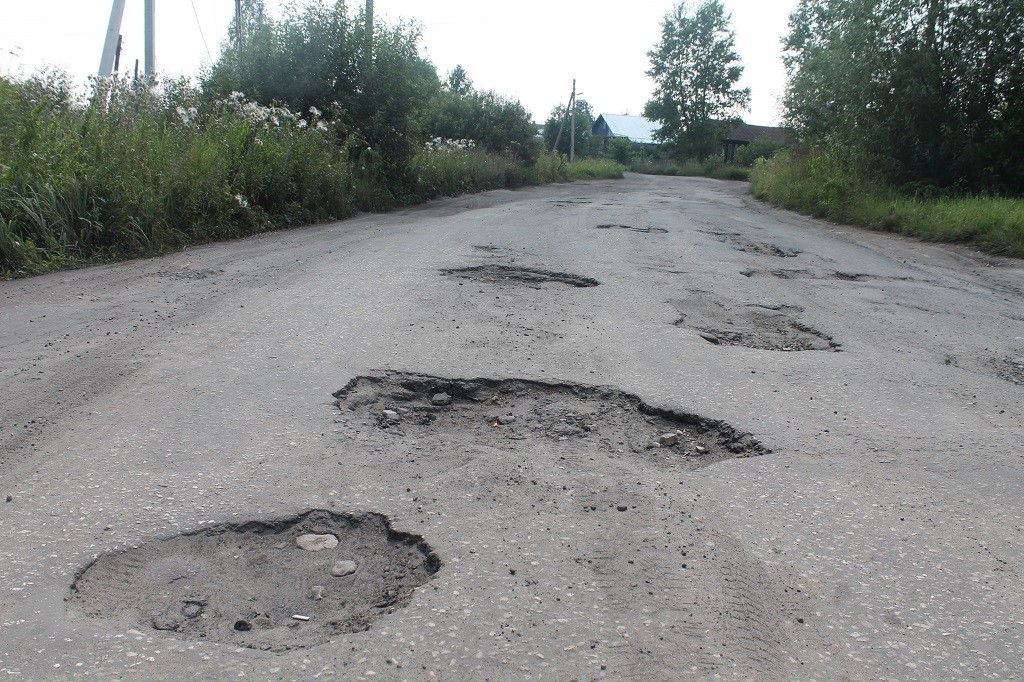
x=272, y=585
x=1011, y=369
x=642, y=230
x=511, y=274
x=765, y=327
x=518, y=414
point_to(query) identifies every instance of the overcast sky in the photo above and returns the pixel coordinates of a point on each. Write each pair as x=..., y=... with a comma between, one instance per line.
x=530, y=50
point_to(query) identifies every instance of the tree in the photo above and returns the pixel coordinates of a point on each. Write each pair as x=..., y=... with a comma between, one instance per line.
x=499, y=125
x=586, y=145
x=929, y=92
x=314, y=56
x=458, y=81
x=695, y=68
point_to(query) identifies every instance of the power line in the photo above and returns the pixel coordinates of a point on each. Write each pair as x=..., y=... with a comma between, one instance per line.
x=200, y=27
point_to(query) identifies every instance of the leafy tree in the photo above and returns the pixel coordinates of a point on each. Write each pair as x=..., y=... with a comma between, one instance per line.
x=927, y=91
x=458, y=81
x=695, y=68
x=586, y=144
x=314, y=57
x=499, y=125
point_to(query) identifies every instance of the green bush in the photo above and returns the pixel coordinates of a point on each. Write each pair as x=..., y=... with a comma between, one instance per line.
x=825, y=184
x=711, y=168
x=498, y=125
x=761, y=148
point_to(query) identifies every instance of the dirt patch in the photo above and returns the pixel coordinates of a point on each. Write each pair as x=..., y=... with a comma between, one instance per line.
x=255, y=585
x=511, y=274
x=642, y=230
x=765, y=327
x=519, y=414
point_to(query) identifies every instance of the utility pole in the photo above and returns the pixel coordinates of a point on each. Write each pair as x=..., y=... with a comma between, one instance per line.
x=572, y=126
x=117, y=55
x=238, y=27
x=150, y=20
x=565, y=117
x=112, y=40
x=369, y=32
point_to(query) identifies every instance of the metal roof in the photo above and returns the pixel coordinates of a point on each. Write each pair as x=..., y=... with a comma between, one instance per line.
x=636, y=128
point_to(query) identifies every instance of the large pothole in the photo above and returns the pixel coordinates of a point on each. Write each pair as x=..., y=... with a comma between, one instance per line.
x=511, y=274
x=271, y=585
x=511, y=413
x=765, y=327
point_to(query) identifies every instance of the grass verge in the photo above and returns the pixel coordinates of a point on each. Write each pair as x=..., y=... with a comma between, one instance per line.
x=134, y=172
x=820, y=183
x=711, y=168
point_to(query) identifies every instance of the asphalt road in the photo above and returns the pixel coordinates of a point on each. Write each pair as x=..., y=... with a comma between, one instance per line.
x=880, y=538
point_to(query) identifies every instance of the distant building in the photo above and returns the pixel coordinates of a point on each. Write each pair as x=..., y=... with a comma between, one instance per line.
x=641, y=131
x=743, y=134
x=634, y=128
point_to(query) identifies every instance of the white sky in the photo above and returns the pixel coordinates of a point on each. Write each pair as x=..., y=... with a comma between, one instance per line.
x=530, y=50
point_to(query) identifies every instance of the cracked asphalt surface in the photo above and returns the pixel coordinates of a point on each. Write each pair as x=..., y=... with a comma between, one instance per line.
x=879, y=539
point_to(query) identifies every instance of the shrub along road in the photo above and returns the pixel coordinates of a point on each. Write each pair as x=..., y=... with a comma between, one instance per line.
x=801, y=458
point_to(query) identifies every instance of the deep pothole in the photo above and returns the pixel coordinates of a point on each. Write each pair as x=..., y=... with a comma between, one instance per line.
x=765, y=327
x=642, y=230
x=516, y=275
x=518, y=414
x=271, y=585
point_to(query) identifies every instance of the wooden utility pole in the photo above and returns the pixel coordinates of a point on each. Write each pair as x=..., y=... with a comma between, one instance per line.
x=565, y=117
x=117, y=55
x=572, y=126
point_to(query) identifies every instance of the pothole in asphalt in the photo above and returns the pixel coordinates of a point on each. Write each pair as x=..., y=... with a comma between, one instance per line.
x=740, y=243
x=510, y=413
x=643, y=230
x=510, y=274
x=780, y=274
x=765, y=327
x=1010, y=369
x=271, y=585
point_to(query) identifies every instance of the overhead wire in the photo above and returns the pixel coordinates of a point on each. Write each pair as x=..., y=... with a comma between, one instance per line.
x=200, y=27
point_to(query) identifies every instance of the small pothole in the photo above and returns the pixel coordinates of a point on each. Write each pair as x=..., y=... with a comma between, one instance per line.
x=765, y=327
x=271, y=585
x=643, y=230
x=516, y=275
x=1010, y=369
x=519, y=414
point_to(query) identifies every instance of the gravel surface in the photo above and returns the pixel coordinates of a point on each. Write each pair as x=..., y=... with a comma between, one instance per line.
x=553, y=433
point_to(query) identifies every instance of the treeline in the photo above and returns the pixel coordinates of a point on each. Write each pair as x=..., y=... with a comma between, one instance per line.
x=308, y=121
x=912, y=117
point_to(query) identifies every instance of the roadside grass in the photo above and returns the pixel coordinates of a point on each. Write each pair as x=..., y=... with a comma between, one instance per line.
x=134, y=172
x=593, y=169
x=821, y=184
x=455, y=171
x=711, y=168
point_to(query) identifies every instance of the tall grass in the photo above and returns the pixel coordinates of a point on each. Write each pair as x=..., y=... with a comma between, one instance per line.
x=824, y=184
x=711, y=168
x=134, y=171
